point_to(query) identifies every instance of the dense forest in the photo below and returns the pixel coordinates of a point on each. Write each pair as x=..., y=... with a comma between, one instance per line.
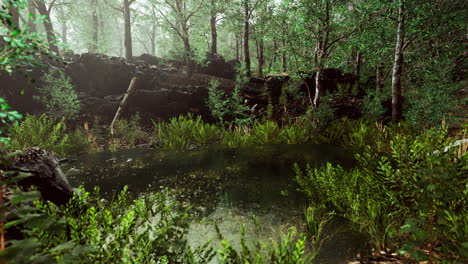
x=233, y=131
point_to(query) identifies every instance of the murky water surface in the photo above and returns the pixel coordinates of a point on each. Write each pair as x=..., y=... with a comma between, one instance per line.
x=226, y=186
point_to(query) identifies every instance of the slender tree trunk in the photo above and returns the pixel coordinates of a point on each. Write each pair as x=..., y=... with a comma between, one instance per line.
x=214, y=33
x=123, y=103
x=64, y=31
x=41, y=7
x=397, y=111
x=128, y=31
x=32, y=11
x=273, y=58
x=237, y=49
x=261, y=58
x=357, y=63
x=283, y=56
x=153, y=40
x=318, y=87
x=188, y=56
x=95, y=39
x=379, y=79
x=246, y=39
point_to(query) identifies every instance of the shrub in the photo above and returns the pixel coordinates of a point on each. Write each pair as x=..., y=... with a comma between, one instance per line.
x=129, y=132
x=47, y=133
x=414, y=187
x=228, y=109
x=372, y=108
x=296, y=133
x=184, y=131
x=149, y=229
x=58, y=95
x=267, y=132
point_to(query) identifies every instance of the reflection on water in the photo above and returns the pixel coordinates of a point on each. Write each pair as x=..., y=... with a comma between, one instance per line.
x=226, y=186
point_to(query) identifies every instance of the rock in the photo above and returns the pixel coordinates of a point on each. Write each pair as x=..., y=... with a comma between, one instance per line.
x=45, y=172
x=146, y=59
x=217, y=66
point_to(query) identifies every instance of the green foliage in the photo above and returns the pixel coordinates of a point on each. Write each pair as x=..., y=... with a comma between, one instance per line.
x=19, y=47
x=323, y=114
x=225, y=108
x=298, y=133
x=47, y=133
x=184, y=131
x=267, y=132
x=435, y=101
x=372, y=108
x=58, y=95
x=8, y=118
x=290, y=249
x=415, y=186
x=128, y=132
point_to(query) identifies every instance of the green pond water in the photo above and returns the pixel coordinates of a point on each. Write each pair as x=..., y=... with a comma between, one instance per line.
x=226, y=186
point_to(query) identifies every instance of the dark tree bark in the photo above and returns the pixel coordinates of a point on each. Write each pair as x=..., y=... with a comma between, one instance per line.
x=357, y=63
x=397, y=111
x=379, y=78
x=95, y=23
x=214, y=32
x=246, y=39
x=261, y=58
x=283, y=56
x=44, y=11
x=237, y=49
x=273, y=58
x=128, y=29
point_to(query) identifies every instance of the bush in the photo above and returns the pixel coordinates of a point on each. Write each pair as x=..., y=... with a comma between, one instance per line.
x=414, y=187
x=228, y=109
x=46, y=133
x=128, y=132
x=58, y=95
x=184, y=131
x=372, y=108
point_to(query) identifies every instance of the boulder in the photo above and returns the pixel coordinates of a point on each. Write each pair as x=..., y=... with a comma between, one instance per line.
x=215, y=65
x=147, y=60
x=45, y=172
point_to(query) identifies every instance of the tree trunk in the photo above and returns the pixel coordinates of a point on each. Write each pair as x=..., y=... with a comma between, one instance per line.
x=237, y=49
x=64, y=31
x=397, y=111
x=246, y=39
x=273, y=58
x=379, y=79
x=41, y=7
x=32, y=11
x=357, y=64
x=283, y=56
x=95, y=39
x=188, y=57
x=153, y=40
x=123, y=103
x=261, y=58
x=214, y=33
x=128, y=31
x=318, y=87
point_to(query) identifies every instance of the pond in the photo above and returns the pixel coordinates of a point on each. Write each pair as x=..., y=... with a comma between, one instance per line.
x=226, y=186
